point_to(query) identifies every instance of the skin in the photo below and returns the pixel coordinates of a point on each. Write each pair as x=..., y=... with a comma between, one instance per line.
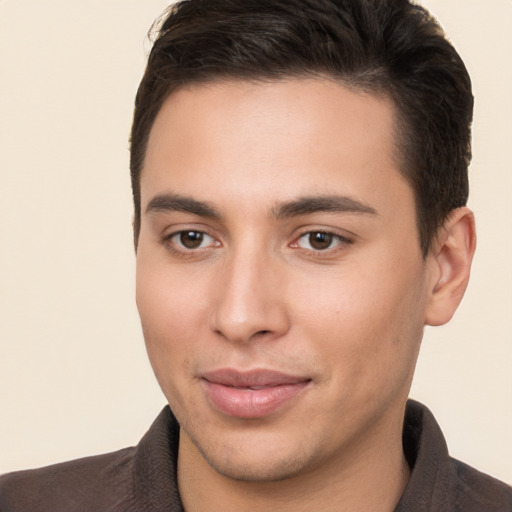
x=259, y=291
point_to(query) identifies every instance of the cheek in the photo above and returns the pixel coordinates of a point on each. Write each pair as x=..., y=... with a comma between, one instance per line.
x=167, y=292
x=366, y=320
x=173, y=311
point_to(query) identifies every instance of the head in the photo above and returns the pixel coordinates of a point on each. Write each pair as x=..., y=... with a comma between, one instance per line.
x=298, y=176
x=392, y=48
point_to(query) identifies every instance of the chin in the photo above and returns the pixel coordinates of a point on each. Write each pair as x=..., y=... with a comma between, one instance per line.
x=250, y=470
x=257, y=463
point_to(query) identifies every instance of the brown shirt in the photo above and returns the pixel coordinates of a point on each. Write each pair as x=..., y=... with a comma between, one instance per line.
x=143, y=478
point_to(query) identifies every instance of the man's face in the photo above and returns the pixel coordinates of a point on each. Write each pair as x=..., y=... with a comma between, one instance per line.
x=280, y=280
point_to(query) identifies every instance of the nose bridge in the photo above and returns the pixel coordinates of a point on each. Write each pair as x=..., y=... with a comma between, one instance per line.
x=248, y=299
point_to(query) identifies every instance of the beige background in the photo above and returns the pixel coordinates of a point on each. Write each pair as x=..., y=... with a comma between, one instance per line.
x=74, y=379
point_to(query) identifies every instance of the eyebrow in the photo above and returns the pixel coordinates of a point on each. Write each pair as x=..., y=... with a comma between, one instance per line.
x=301, y=206
x=177, y=203
x=316, y=204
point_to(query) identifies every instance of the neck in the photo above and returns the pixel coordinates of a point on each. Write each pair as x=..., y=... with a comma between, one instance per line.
x=371, y=475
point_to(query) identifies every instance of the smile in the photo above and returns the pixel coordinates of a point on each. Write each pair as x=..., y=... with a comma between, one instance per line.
x=253, y=394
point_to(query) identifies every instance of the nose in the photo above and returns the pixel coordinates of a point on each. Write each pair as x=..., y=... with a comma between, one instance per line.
x=250, y=298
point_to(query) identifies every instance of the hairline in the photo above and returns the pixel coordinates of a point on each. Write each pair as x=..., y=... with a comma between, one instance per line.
x=354, y=83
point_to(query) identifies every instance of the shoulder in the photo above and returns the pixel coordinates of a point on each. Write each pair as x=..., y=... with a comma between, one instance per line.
x=77, y=485
x=476, y=491
x=439, y=482
x=131, y=480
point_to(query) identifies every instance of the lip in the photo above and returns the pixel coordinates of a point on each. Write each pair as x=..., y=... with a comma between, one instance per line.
x=251, y=394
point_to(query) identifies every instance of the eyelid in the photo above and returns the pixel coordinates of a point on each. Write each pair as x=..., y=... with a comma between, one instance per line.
x=180, y=227
x=167, y=241
x=181, y=232
x=343, y=240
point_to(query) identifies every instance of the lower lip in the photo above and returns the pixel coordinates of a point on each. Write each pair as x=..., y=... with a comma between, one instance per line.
x=249, y=403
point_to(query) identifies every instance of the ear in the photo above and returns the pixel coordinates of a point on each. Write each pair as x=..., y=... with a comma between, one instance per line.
x=450, y=260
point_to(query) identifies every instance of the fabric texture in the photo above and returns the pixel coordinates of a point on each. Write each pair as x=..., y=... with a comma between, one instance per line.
x=143, y=478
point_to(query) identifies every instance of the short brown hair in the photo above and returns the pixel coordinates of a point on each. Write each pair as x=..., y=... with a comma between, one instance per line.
x=389, y=47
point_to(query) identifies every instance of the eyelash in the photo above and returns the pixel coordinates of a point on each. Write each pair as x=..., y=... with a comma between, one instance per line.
x=178, y=248
x=332, y=237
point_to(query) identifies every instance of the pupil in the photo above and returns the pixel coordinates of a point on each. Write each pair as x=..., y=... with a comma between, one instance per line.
x=320, y=241
x=191, y=239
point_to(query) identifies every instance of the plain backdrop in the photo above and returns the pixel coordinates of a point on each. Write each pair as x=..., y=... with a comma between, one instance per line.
x=74, y=377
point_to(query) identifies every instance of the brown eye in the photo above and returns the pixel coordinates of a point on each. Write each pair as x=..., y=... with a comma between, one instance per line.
x=191, y=239
x=320, y=241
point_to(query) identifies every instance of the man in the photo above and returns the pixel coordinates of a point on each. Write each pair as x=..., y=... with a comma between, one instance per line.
x=299, y=172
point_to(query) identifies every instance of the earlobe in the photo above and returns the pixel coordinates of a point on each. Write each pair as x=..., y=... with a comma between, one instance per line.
x=451, y=258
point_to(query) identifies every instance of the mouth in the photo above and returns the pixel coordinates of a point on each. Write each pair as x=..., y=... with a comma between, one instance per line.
x=253, y=394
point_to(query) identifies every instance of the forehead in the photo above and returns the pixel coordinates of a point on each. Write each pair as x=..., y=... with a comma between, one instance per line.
x=273, y=141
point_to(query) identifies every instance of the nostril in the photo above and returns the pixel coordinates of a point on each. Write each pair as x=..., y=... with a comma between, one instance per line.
x=260, y=333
